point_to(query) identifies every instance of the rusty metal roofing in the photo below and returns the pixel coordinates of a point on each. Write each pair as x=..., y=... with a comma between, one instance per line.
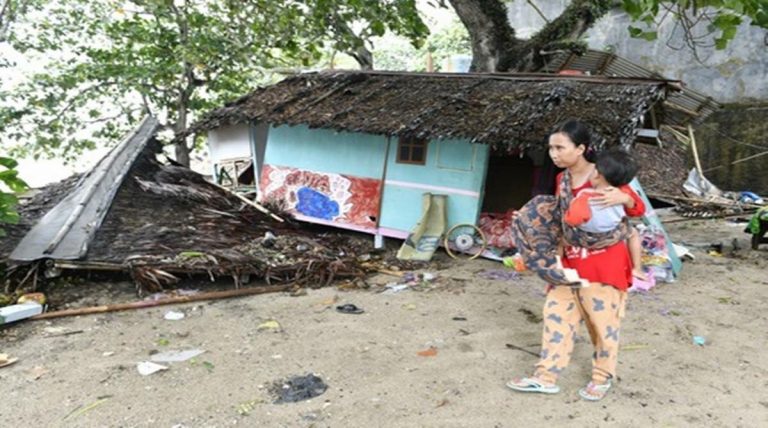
x=681, y=108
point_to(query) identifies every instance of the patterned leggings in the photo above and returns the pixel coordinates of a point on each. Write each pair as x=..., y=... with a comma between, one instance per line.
x=601, y=307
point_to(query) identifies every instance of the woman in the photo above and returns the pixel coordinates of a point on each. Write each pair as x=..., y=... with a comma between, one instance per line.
x=608, y=269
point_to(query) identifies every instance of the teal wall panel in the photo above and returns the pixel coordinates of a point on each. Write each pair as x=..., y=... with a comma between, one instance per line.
x=401, y=208
x=461, y=165
x=323, y=150
x=452, y=164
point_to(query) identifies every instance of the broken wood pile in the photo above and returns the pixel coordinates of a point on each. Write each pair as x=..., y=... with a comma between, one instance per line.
x=167, y=221
x=663, y=170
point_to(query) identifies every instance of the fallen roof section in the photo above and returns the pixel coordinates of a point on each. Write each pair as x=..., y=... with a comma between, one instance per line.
x=66, y=231
x=135, y=215
x=504, y=110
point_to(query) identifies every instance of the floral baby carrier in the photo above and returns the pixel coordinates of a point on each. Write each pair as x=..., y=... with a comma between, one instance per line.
x=539, y=228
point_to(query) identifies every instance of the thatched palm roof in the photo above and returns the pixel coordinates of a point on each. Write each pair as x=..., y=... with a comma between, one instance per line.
x=505, y=110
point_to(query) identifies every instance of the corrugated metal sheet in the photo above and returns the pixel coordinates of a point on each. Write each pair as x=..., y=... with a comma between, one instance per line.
x=65, y=232
x=680, y=108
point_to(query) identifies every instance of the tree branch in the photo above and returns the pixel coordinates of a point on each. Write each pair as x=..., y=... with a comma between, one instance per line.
x=561, y=33
x=74, y=99
x=360, y=53
x=536, y=8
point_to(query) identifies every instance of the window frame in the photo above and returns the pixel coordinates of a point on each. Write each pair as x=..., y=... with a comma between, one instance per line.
x=410, y=143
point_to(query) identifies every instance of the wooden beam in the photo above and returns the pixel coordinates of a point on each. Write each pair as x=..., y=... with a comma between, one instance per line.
x=681, y=108
x=213, y=295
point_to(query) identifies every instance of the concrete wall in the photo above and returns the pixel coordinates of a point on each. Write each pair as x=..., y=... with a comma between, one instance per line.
x=736, y=74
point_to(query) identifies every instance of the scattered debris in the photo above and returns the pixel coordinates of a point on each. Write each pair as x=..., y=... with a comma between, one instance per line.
x=6, y=360
x=639, y=284
x=298, y=388
x=429, y=352
x=246, y=407
x=59, y=332
x=349, y=308
x=634, y=346
x=32, y=297
x=530, y=316
x=37, y=372
x=175, y=356
x=18, y=312
x=82, y=410
x=269, y=325
x=147, y=368
x=500, y=275
x=393, y=288
x=520, y=348
x=699, y=340
x=174, y=315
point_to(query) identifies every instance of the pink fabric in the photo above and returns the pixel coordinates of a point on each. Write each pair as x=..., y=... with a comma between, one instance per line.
x=497, y=228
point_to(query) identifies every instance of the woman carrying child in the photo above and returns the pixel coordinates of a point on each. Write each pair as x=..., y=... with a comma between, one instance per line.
x=607, y=268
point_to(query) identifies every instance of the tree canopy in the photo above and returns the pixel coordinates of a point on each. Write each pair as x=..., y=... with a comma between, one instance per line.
x=109, y=62
x=105, y=63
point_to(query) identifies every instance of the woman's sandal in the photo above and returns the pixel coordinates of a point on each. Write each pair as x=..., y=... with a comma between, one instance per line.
x=594, y=392
x=528, y=384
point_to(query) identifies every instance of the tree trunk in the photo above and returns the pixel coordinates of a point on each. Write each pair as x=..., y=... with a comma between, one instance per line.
x=182, y=152
x=185, y=91
x=363, y=56
x=495, y=48
x=492, y=37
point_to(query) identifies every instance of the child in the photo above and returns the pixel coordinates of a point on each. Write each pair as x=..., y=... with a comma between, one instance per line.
x=613, y=168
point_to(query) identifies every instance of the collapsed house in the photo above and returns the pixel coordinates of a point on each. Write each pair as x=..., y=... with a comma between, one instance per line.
x=132, y=214
x=357, y=150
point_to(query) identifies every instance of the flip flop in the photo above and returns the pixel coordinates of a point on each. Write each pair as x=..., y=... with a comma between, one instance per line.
x=528, y=384
x=593, y=392
x=349, y=309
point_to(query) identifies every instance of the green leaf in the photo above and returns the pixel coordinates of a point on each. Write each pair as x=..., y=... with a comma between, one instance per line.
x=8, y=162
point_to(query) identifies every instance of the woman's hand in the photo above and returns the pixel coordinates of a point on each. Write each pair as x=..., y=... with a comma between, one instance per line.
x=612, y=196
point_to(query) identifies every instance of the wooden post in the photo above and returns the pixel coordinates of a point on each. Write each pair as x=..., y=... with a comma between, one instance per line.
x=695, y=151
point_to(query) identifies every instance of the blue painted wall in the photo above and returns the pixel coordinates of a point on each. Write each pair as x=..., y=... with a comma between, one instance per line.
x=454, y=164
x=323, y=150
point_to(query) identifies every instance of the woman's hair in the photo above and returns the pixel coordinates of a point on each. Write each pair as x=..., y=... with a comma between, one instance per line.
x=578, y=132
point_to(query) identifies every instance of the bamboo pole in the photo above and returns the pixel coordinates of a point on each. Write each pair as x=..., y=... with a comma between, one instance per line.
x=729, y=204
x=740, y=160
x=251, y=203
x=695, y=151
x=213, y=295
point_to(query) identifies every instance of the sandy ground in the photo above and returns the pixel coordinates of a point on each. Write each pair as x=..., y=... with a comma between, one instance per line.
x=370, y=363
